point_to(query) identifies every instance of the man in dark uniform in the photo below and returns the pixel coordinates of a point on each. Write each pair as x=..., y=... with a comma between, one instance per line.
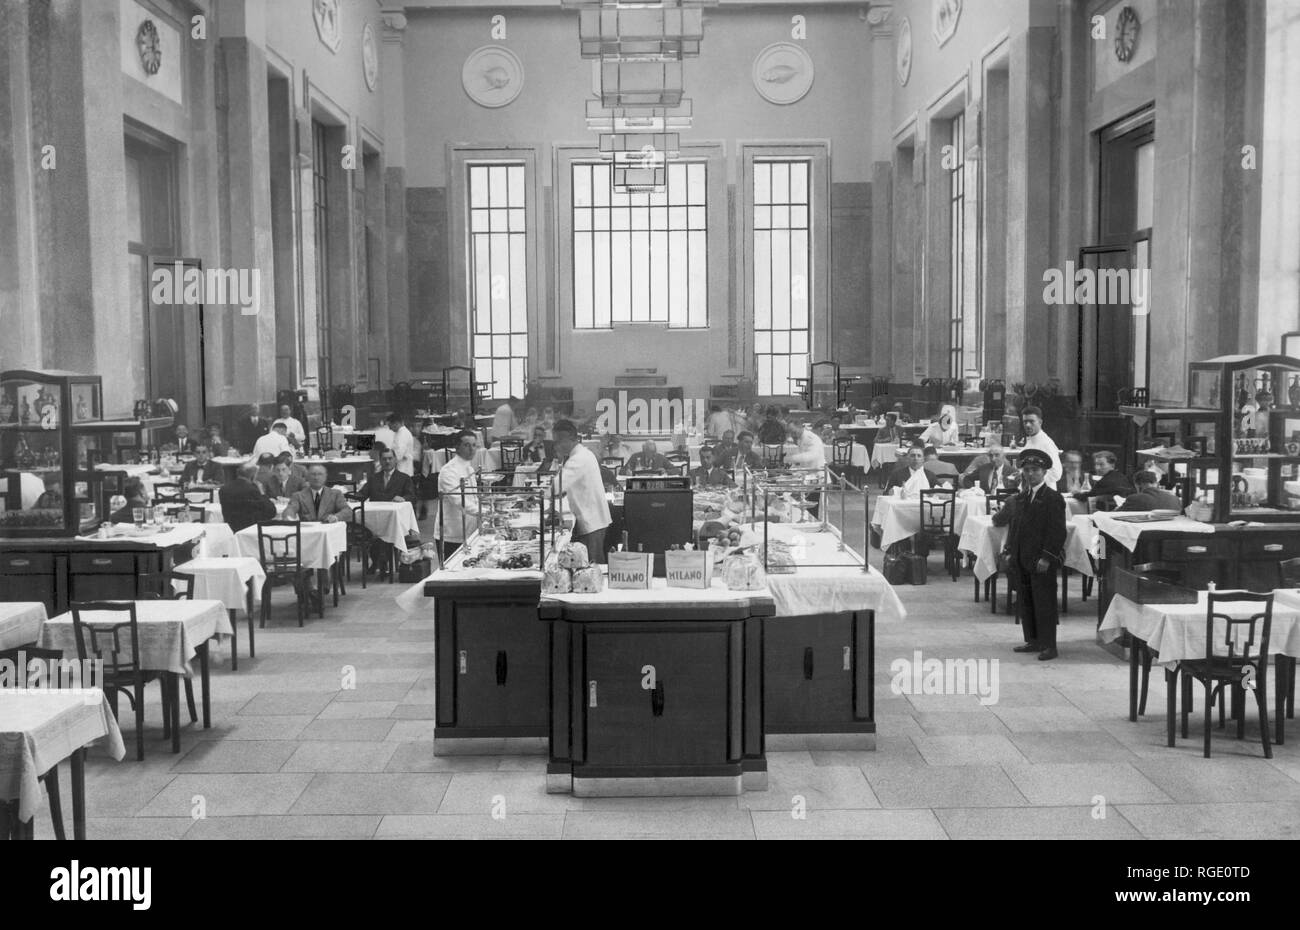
x=1035, y=547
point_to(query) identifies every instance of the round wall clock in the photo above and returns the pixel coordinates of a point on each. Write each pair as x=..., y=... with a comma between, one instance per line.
x=1128, y=28
x=903, y=52
x=369, y=57
x=783, y=73
x=492, y=76
x=149, y=45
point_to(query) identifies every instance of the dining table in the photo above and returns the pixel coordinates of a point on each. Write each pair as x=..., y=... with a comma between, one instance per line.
x=982, y=539
x=899, y=518
x=20, y=623
x=237, y=582
x=173, y=633
x=322, y=543
x=1176, y=632
x=391, y=521
x=39, y=729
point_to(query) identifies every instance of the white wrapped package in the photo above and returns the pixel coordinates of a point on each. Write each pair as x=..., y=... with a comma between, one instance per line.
x=588, y=580
x=573, y=556
x=556, y=581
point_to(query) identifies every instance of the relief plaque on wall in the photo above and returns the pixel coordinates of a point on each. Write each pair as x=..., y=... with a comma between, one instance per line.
x=783, y=73
x=328, y=19
x=492, y=76
x=903, y=52
x=944, y=16
x=369, y=57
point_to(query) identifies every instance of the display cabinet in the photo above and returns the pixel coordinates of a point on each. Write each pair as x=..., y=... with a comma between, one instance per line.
x=49, y=446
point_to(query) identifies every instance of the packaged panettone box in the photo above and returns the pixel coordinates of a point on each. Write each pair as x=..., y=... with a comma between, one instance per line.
x=588, y=580
x=742, y=573
x=573, y=556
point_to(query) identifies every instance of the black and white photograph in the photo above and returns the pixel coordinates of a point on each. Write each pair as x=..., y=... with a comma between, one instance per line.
x=653, y=419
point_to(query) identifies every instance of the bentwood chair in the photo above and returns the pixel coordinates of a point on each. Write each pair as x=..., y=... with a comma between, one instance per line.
x=938, y=515
x=512, y=454
x=680, y=461
x=49, y=659
x=842, y=460
x=279, y=549
x=773, y=454
x=613, y=462
x=1237, y=671
x=167, y=492
x=122, y=672
x=360, y=538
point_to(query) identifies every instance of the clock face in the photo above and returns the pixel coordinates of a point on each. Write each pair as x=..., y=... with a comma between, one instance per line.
x=149, y=44
x=1127, y=30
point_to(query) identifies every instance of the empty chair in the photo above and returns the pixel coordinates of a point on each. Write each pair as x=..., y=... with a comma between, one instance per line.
x=279, y=549
x=773, y=454
x=360, y=538
x=122, y=673
x=1238, y=667
x=512, y=454
x=938, y=515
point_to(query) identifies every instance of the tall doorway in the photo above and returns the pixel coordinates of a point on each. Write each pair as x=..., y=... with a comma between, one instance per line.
x=1114, y=345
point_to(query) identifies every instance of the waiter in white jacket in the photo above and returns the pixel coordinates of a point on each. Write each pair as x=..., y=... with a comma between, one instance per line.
x=578, y=478
x=457, y=519
x=1031, y=419
x=811, y=454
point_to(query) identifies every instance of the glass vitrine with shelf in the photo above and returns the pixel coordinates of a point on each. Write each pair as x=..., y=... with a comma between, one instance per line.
x=1255, y=472
x=48, y=449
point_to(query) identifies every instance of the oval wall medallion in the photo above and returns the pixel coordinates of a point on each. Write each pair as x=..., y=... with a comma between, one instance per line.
x=783, y=73
x=369, y=57
x=492, y=76
x=903, y=52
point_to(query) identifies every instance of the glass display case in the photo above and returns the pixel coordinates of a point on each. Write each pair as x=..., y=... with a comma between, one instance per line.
x=48, y=450
x=1253, y=471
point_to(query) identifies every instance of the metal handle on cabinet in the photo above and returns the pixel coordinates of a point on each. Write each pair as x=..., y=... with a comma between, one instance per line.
x=808, y=663
x=591, y=693
x=848, y=658
x=101, y=561
x=1273, y=547
x=502, y=668
x=657, y=699
x=20, y=562
x=1196, y=549
x=463, y=659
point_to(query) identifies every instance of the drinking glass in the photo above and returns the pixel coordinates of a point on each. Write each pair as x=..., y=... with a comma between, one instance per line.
x=137, y=516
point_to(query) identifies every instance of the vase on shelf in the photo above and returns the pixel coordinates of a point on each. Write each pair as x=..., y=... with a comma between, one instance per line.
x=1293, y=392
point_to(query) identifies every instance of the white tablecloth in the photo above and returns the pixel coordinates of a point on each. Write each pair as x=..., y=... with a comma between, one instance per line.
x=884, y=453
x=212, y=513
x=20, y=622
x=322, y=543
x=900, y=519
x=174, y=535
x=170, y=631
x=218, y=541
x=858, y=457
x=225, y=580
x=835, y=585
x=1177, y=631
x=39, y=728
x=984, y=540
x=1126, y=534
x=390, y=521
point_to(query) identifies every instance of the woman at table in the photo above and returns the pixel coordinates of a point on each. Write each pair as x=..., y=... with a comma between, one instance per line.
x=942, y=432
x=133, y=491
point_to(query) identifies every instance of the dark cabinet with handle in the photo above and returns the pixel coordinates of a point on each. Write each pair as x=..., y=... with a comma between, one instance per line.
x=818, y=674
x=57, y=571
x=492, y=666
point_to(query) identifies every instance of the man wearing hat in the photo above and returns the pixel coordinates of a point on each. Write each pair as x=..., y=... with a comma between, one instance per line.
x=1035, y=549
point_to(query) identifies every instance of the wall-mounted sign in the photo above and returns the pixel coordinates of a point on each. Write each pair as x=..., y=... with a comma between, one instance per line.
x=903, y=52
x=944, y=15
x=783, y=73
x=369, y=57
x=492, y=76
x=329, y=26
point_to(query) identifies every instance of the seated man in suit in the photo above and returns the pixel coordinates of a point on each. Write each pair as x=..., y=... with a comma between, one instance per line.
x=1150, y=496
x=283, y=482
x=388, y=484
x=317, y=502
x=184, y=444
x=202, y=470
x=944, y=471
x=648, y=459
x=539, y=450
x=133, y=491
x=708, y=474
x=724, y=452
x=991, y=472
x=242, y=501
x=907, y=471
x=1110, y=481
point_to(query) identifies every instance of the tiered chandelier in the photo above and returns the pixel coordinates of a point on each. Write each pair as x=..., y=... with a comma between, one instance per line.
x=640, y=45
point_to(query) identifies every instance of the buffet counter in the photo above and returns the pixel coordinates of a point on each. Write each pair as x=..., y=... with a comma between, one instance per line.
x=662, y=690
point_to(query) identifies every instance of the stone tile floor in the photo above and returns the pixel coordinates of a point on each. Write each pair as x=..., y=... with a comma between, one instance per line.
x=292, y=754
